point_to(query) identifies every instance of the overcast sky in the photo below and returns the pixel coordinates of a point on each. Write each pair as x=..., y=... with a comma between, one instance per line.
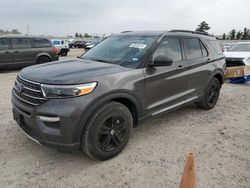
x=65, y=17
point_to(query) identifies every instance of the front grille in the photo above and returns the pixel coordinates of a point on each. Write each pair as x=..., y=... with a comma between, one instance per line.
x=28, y=92
x=234, y=62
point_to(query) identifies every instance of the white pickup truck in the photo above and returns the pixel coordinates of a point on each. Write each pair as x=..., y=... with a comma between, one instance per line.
x=62, y=46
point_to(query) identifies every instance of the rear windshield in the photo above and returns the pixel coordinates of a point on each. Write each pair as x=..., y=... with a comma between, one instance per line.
x=41, y=43
x=56, y=42
x=215, y=46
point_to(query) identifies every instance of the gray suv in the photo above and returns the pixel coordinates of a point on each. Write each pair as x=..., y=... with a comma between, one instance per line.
x=94, y=102
x=17, y=51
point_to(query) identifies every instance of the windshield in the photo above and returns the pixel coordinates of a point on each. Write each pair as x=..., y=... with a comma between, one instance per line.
x=126, y=51
x=240, y=47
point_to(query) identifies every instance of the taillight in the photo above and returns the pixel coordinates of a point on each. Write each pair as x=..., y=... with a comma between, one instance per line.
x=56, y=51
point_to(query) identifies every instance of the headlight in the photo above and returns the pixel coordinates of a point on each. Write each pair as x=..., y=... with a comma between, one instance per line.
x=66, y=91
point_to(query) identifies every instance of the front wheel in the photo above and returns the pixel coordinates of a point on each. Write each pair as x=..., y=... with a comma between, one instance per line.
x=107, y=131
x=211, y=95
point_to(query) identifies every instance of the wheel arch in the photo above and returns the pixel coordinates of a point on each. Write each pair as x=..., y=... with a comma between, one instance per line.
x=43, y=54
x=127, y=99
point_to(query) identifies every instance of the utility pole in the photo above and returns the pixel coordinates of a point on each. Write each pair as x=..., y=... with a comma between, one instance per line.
x=28, y=29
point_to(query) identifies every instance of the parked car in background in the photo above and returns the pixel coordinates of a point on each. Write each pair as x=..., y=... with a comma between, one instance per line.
x=238, y=54
x=18, y=51
x=225, y=46
x=90, y=45
x=77, y=44
x=62, y=46
x=94, y=104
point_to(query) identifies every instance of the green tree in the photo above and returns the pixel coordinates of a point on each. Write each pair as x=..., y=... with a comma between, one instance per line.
x=224, y=36
x=15, y=31
x=238, y=35
x=76, y=35
x=203, y=27
x=232, y=34
x=86, y=35
x=80, y=35
x=246, y=34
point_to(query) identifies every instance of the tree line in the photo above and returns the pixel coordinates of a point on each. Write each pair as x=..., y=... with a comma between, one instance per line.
x=237, y=35
x=6, y=32
x=86, y=35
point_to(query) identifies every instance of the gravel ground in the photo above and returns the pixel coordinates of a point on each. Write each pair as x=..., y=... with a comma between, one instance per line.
x=154, y=157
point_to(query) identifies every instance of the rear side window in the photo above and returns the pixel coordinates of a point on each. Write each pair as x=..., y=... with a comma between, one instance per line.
x=4, y=44
x=193, y=48
x=215, y=46
x=171, y=48
x=20, y=43
x=41, y=43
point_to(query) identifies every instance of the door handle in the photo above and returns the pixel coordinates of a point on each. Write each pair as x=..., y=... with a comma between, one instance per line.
x=15, y=51
x=180, y=67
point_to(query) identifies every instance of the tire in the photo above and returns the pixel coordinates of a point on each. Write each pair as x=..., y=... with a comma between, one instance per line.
x=43, y=59
x=107, y=131
x=64, y=53
x=211, y=95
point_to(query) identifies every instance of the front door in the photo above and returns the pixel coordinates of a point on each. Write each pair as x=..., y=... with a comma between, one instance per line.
x=166, y=86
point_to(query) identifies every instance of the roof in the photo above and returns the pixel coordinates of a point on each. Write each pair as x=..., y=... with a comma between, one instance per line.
x=167, y=33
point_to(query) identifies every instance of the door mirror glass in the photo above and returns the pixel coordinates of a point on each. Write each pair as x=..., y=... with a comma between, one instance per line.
x=162, y=60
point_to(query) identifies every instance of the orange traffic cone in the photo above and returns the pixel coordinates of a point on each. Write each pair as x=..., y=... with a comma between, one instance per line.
x=188, y=179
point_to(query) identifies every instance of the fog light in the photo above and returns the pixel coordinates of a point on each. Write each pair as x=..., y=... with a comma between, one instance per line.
x=48, y=119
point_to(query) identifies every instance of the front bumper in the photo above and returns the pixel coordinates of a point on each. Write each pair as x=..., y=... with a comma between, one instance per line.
x=59, y=134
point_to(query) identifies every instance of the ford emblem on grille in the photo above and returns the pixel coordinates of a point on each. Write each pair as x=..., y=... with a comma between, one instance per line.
x=19, y=87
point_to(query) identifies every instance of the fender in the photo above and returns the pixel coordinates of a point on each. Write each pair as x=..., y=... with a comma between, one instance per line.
x=101, y=100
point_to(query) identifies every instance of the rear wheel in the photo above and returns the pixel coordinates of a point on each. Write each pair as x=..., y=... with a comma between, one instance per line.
x=43, y=59
x=64, y=53
x=211, y=95
x=108, y=131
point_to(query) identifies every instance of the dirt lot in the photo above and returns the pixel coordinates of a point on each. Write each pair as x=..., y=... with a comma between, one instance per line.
x=154, y=157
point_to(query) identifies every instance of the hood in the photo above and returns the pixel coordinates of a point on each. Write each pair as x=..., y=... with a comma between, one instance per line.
x=70, y=72
x=237, y=54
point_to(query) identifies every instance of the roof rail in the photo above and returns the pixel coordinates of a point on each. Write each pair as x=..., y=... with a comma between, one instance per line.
x=193, y=32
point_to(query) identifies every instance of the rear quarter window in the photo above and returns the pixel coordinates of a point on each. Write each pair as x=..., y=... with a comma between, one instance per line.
x=41, y=43
x=214, y=44
x=4, y=44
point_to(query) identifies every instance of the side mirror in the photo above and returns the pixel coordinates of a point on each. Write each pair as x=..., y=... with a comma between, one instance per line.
x=162, y=60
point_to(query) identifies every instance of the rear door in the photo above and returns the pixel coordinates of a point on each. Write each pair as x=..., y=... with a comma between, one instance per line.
x=5, y=53
x=22, y=51
x=166, y=86
x=196, y=60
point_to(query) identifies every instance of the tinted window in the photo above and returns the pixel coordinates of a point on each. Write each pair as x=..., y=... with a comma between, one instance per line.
x=171, y=48
x=193, y=49
x=21, y=43
x=40, y=43
x=204, y=50
x=3, y=44
x=56, y=42
x=215, y=46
